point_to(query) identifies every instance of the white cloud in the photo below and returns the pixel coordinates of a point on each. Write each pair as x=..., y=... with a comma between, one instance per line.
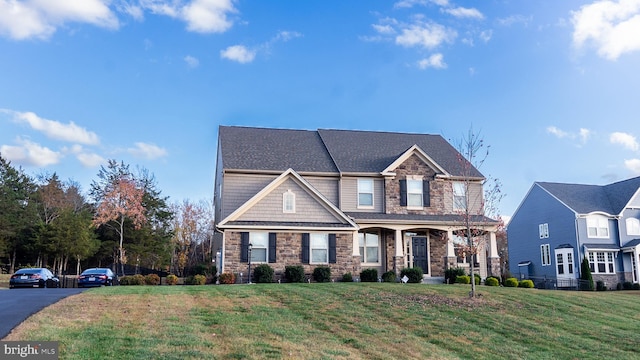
x=515, y=19
x=411, y=3
x=285, y=36
x=626, y=140
x=461, y=12
x=208, y=16
x=435, y=61
x=191, y=61
x=633, y=165
x=147, y=151
x=384, y=29
x=41, y=18
x=90, y=160
x=428, y=35
x=486, y=35
x=30, y=153
x=238, y=53
x=583, y=134
x=611, y=26
x=54, y=129
x=557, y=132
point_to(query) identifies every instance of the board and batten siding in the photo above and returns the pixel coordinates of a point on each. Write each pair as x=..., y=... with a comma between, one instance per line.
x=350, y=195
x=307, y=207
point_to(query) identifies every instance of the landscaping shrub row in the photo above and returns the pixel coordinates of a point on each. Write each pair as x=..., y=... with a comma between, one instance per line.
x=264, y=273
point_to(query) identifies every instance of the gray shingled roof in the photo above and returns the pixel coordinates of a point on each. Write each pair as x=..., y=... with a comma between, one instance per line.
x=371, y=151
x=585, y=199
x=246, y=148
x=329, y=150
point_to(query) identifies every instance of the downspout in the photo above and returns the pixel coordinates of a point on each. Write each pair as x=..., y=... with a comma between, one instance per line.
x=579, y=264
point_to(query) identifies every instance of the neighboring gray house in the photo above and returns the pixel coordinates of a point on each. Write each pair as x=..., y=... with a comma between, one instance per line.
x=557, y=225
x=347, y=199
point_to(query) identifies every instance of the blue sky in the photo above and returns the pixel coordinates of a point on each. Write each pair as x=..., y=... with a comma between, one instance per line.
x=552, y=86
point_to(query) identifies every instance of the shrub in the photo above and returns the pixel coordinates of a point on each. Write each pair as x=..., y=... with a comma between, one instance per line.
x=369, y=275
x=463, y=279
x=347, y=277
x=627, y=285
x=527, y=284
x=152, y=279
x=600, y=285
x=585, y=275
x=451, y=274
x=263, y=274
x=635, y=286
x=322, y=274
x=511, y=282
x=172, y=279
x=414, y=274
x=294, y=273
x=227, y=278
x=491, y=281
x=200, y=269
x=196, y=280
x=389, y=276
x=477, y=278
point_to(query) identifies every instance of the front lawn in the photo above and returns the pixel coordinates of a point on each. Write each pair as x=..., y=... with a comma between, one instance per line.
x=338, y=321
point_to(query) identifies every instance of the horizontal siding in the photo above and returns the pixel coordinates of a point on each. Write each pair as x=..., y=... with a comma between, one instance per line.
x=239, y=188
x=308, y=209
x=350, y=195
x=327, y=186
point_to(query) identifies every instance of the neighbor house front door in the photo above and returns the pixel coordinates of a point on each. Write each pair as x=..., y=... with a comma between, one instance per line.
x=420, y=253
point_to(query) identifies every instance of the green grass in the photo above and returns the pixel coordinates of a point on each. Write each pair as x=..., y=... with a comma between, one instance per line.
x=339, y=321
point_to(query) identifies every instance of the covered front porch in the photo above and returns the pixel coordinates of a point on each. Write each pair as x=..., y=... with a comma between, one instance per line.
x=431, y=247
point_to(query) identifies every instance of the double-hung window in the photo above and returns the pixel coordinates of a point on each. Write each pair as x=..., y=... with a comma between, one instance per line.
x=369, y=247
x=319, y=244
x=414, y=193
x=597, y=226
x=259, y=246
x=459, y=196
x=365, y=193
x=545, y=255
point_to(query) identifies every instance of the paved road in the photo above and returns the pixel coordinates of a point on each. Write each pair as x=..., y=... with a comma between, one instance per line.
x=18, y=304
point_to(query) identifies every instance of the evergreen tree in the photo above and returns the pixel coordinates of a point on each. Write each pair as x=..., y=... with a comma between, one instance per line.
x=585, y=275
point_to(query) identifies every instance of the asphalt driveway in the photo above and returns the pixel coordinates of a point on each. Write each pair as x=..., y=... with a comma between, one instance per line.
x=18, y=304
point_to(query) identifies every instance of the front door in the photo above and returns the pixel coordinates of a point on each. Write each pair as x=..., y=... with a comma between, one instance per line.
x=420, y=253
x=565, y=267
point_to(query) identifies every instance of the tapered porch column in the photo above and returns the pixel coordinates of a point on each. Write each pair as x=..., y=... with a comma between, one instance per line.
x=398, y=259
x=451, y=259
x=494, y=257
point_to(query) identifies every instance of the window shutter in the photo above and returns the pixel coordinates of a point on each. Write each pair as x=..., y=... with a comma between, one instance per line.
x=272, y=247
x=305, y=248
x=332, y=248
x=426, y=197
x=244, y=247
x=403, y=192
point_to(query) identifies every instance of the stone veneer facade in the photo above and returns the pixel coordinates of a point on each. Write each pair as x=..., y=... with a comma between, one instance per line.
x=289, y=252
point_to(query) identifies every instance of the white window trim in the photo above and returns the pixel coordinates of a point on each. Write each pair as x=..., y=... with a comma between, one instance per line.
x=462, y=186
x=599, y=220
x=545, y=255
x=373, y=198
x=633, y=226
x=365, y=248
x=543, y=229
x=292, y=196
x=593, y=259
x=311, y=248
x=254, y=246
x=415, y=207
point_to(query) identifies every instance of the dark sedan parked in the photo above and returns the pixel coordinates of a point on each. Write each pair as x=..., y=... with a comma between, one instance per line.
x=96, y=277
x=34, y=277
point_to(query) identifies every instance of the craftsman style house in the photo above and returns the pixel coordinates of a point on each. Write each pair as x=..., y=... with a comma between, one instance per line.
x=557, y=225
x=350, y=200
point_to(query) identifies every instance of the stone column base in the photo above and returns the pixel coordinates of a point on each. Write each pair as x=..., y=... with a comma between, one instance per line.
x=494, y=267
x=398, y=264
